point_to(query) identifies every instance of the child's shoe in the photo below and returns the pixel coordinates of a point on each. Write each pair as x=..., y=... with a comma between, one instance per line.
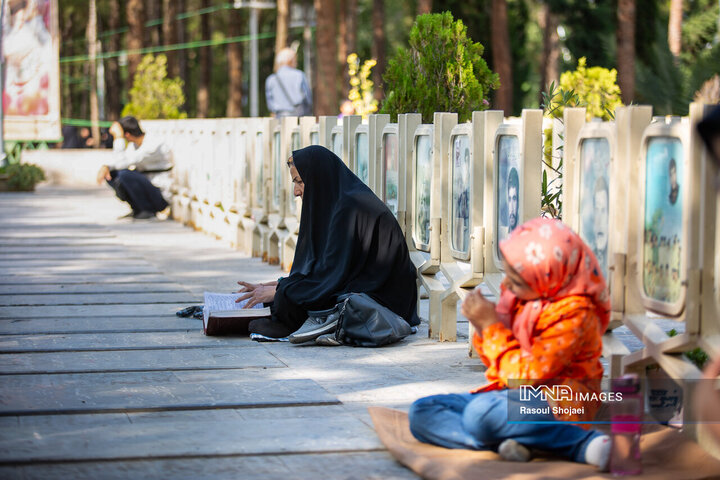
x=598, y=452
x=513, y=451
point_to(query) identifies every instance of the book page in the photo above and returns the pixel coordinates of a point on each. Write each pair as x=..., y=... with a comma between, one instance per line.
x=223, y=305
x=225, y=301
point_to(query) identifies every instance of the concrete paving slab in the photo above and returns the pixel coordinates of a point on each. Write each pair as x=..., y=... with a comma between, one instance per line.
x=92, y=325
x=178, y=439
x=339, y=466
x=152, y=391
x=99, y=299
x=90, y=288
x=66, y=253
x=137, y=360
x=34, y=262
x=94, y=268
x=53, y=230
x=41, y=251
x=87, y=342
x=83, y=279
x=103, y=241
x=123, y=310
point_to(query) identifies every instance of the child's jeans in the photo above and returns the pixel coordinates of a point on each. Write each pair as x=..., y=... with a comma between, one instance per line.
x=480, y=422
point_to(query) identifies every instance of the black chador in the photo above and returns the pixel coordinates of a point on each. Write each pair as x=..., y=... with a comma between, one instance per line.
x=348, y=242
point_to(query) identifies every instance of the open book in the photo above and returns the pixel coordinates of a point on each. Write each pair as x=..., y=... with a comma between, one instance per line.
x=222, y=316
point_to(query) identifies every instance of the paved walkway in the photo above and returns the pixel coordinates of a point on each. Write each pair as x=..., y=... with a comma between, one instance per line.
x=100, y=379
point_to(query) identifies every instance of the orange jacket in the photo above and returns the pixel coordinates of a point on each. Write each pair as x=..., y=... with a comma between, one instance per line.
x=566, y=348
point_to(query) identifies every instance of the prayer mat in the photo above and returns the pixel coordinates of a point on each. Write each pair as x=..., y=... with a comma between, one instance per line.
x=666, y=454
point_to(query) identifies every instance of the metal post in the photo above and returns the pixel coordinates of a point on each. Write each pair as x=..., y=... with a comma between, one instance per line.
x=3, y=157
x=254, y=70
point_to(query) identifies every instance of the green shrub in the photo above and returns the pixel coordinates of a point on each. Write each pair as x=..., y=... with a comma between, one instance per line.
x=442, y=71
x=596, y=88
x=152, y=95
x=22, y=177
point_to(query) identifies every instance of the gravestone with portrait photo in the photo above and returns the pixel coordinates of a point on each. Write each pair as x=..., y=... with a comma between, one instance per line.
x=390, y=171
x=517, y=177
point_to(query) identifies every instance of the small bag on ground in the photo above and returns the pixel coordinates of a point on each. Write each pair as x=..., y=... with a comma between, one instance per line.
x=365, y=323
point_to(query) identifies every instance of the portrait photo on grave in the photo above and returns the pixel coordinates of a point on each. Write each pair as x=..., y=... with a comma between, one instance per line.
x=277, y=169
x=508, y=193
x=460, y=213
x=663, y=219
x=423, y=176
x=362, y=157
x=258, y=167
x=337, y=141
x=595, y=197
x=391, y=166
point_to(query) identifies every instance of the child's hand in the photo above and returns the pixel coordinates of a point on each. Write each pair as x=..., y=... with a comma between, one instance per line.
x=479, y=310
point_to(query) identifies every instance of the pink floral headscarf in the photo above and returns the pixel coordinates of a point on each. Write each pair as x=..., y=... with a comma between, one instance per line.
x=555, y=263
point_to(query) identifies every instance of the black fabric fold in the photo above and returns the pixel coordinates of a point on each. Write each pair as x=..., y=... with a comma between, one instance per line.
x=348, y=241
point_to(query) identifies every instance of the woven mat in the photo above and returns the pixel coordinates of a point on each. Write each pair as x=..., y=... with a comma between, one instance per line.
x=667, y=454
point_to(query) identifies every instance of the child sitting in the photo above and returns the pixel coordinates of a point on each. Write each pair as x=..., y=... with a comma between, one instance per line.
x=546, y=330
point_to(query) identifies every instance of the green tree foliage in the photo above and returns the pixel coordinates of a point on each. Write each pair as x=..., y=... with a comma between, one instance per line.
x=596, y=44
x=668, y=83
x=153, y=95
x=442, y=71
x=596, y=89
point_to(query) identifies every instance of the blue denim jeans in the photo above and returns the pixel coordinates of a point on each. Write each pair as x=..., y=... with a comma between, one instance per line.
x=480, y=422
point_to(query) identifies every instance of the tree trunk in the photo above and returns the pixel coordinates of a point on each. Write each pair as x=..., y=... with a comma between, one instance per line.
x=136, y=23
x=325, y=83
x=112, y=70
x=343, y=50
x=308, y=52
x=92, y=53
x=424, y=6
x=154, y=14
x=351, y=13
x=626, y=49
x=170, y=35
x=68, y=69
x=235, y=63
x=182, y=56
x=203, y=91
x=283, y=20
x=549, y=68
x=502, y=59
x=675, y=27
x=378, y=46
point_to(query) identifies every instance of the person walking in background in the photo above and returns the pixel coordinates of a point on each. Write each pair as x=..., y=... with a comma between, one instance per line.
x=287, y=90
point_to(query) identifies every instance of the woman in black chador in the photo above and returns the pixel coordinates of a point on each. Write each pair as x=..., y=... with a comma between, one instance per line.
x=348, y=242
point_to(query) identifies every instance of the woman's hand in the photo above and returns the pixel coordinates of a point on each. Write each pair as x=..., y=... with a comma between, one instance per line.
x=479, y=310
x=256, y=293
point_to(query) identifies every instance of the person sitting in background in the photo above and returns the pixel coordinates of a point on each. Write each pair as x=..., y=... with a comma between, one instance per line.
x=71, y=137
x=140, y=174
x=86, y=139
x=546, y=330
x=106, y=140
x=348, y=242
x=287, y=91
